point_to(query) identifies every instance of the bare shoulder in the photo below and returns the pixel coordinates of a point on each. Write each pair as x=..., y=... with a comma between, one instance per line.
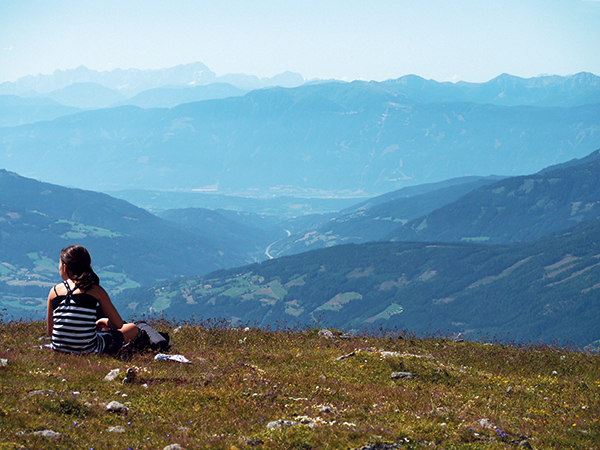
x=57, y=290
x=98, y=292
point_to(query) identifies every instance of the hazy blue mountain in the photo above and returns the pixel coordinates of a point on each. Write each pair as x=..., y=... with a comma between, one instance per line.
x=86, y=95
x=412, y=191
x=334, y=139
x=15, y=110
x=515, y=209
x=374, y=219
x=286, y=79
x=169, y=96
x=129, y=246
x=130, y=82
x=507, y=90
x=127, y=81
x=544, y=290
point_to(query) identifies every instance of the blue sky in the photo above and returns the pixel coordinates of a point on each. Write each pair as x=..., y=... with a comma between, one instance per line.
x=445, y=40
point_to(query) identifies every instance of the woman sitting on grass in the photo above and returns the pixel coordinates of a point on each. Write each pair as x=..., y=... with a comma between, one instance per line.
x=71, y=314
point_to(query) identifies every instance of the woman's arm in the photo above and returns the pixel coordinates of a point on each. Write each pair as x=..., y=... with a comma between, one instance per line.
x=114, y=319
x=50, y=313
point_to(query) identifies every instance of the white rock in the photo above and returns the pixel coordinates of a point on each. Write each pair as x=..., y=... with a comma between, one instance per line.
x=327, y=334
x=112, y=375
x=400, y=375
x=117, y=407
x=48, y=434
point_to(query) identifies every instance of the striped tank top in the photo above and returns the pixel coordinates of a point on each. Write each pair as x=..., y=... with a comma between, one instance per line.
x=74, y=322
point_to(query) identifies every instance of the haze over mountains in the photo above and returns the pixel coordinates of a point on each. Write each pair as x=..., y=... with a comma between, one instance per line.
x=438, y=173
x=325, y=139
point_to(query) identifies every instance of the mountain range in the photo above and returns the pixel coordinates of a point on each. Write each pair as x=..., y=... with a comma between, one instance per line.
x=130, y=82
x=328, y=139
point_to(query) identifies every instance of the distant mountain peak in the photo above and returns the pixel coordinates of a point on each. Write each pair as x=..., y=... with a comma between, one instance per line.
x=133, y=81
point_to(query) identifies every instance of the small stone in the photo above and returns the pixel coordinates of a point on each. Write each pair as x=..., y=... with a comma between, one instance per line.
x=117, y=429
x=524, y=444
x=112, y=375
x=486, y=423
x=273, y=425
x=326, y=334
x=326, y=410
x=41, y=392
x=3, y=362
x=281, y=423
x=116, y=407
x=173, y=447
x=387, y=354
x=48, y=434
x=402, y=375
x=349, y=355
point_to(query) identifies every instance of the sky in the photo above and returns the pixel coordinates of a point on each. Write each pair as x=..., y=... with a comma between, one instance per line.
x=444, y=40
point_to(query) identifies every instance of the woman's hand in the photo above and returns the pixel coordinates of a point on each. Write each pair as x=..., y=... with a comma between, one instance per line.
x=102, y=325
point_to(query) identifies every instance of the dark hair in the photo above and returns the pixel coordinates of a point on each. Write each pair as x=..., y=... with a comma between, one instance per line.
x=78, y=261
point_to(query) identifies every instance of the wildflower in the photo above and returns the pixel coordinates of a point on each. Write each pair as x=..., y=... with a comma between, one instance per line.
x=501, y=433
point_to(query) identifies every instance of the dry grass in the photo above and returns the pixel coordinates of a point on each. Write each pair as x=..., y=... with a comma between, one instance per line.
x=463, y=395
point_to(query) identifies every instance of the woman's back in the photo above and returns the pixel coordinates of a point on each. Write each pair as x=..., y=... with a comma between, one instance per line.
x=74, y=320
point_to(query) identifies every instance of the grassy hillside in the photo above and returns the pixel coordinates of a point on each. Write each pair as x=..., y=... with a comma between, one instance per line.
x=515, y=209
x=295, y=389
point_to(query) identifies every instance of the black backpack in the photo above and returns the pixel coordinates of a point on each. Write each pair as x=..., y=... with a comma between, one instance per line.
x=148, y=339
